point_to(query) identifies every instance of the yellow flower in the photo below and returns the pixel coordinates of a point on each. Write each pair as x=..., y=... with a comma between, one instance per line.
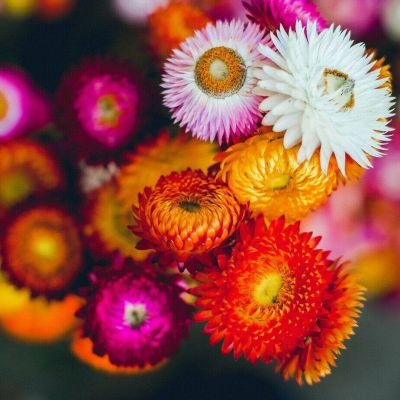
x=263, y=173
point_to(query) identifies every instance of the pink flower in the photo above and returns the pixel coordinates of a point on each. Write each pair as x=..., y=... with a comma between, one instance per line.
x=99, y=102
x=271, y=14
x=23, y=107
x=135, y=315
x=209, y=81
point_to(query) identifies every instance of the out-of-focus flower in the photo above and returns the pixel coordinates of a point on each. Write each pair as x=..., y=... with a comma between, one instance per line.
x=378, y=270
x=54, y=9
x=11, y=298
x=209, y=81
x=42, y=321
x=94, y=177
x=41, y=249
x=347, y=13
x=186, y=215
x=161, y=157
x=172, y=24
x=261, y=172
x=322, y=90
x=26, y=168
x=272, y=14
x=279, y=298
x=107, y=225
x=20, y=8
x=383, y=179
x=134, y=315
x=23, y=107
x=391, y=18
x=82, y=348
x=137, y=11
x=100, y=104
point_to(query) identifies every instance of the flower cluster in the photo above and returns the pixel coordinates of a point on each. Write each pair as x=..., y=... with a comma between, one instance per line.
x=120, y=230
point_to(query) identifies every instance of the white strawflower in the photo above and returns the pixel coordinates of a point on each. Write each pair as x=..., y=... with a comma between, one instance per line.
x=321, y=90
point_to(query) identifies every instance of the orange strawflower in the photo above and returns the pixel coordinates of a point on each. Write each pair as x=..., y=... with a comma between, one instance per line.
x=42, y=321
x=172, y=24
x=107, y=225
x=263, y=173
x=278, y=297
x=82, y=348
x=161, y=157
x=42, y=250
x=25, y=168
x=186, y=215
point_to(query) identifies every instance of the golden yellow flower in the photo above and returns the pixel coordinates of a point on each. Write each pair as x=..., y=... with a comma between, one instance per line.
x=263, y=173
x=107, y=225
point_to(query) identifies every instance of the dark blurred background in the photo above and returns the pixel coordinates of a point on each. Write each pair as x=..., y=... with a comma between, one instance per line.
x=368, y=370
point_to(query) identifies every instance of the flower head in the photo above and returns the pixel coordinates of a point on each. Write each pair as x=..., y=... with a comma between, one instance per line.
x=187, y=215
x=160, y=157
x=263, y=173
x=272, y=14
x=272, y=298
x=82, y=348
x=107, y=224
x=172, y=24
x=42, y=321
x=323, y=92
x=137, y=11
x=99, y=103
x=135, y=316
x=209, y=80
x=26, y=168
x=23, y=108
x=42, y=250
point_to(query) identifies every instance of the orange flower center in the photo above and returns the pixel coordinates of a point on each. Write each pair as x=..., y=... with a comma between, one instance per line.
x=220, y=72
x=340, y=85
x=108, y=111
x=135, y=315
x=3, y=106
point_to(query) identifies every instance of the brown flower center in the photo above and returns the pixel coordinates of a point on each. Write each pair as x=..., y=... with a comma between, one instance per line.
x=338, y=82
x=220, y=72
x=189, y=205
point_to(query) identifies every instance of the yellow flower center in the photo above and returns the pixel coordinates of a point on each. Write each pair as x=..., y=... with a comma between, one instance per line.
x=47, y=249
x=135, y=315
x=14, y=187
x=220, y=72
x=277, y=181
x=341, y=85
x=267, y=291
x=108, y=110
x=3, y=106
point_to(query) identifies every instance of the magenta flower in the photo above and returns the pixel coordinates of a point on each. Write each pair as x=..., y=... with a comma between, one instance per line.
x=100, y=102
x=271, y=14
x=135, y=315
x=23, y=107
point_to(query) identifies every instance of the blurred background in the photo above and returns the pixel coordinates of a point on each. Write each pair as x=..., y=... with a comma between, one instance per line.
x=361, y=221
